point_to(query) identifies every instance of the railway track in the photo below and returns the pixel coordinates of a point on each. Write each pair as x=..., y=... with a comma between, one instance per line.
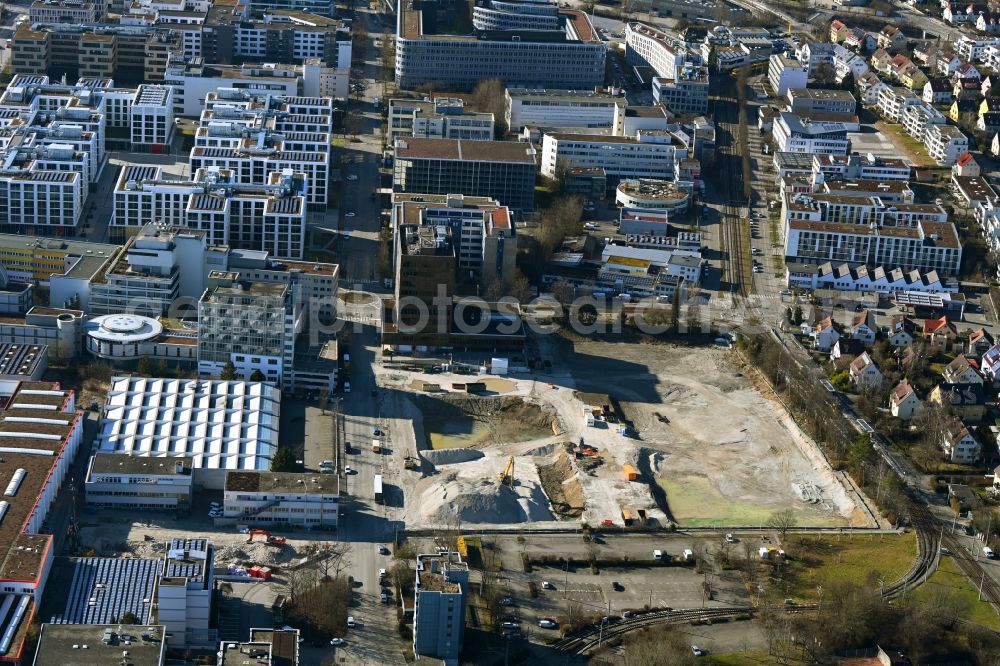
x=734, y=244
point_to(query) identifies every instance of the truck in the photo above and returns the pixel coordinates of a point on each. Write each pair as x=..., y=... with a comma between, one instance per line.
x=378, y=488
x=376, y=446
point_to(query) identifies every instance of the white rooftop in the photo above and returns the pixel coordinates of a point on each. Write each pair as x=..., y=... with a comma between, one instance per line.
x=219, y=424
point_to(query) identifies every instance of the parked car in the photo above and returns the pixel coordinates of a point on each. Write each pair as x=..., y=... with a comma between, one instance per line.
x=336, y=641
x=546, y=585
x=351, y=622
x=547, y=623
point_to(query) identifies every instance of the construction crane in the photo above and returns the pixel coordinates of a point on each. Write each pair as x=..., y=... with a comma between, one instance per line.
x=507, y=475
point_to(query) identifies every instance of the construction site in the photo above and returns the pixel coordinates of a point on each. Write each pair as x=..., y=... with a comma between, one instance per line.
x=617, y=435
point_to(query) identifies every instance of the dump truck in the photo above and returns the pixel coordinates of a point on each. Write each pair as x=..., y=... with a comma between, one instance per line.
x=630, y=472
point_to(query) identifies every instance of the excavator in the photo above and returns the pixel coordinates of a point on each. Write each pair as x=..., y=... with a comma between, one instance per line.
x=507, y=475
x=270, y=539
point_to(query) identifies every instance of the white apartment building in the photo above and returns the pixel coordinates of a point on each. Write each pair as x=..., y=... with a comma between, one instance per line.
x=192, y=80
x=847, y=62
x=648, y=155
x=798, y=134
x=648, y=46
x=972, y=48
x=151, y=115
x=864, y=167
x=320, y=80
x=46, y=203
x=282, y=498
x=133, y=483
x=945, y=143
x=441, y=118
x=560, y=109
x=917, y=118
x=813, y=54
x=785, y=74
x=893, y=100
x=863, y=230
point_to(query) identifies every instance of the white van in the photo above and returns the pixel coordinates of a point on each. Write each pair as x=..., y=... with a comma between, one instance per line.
x=657, y=554
x=988, y=552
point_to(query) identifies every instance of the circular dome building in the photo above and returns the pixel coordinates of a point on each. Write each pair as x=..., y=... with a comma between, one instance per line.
x=653, y=195
x=122, y=337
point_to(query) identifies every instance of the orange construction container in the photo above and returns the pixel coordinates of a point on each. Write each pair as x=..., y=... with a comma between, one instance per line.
x=630, y=472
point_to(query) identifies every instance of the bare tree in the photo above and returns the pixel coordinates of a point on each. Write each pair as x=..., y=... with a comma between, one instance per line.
x=782, y=521
x=490, y=97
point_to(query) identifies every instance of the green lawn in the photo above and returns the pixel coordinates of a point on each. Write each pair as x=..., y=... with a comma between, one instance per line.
x=823, y=559
x=949, y=575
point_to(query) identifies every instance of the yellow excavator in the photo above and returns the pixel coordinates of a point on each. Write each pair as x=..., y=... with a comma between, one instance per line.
x=507, y=475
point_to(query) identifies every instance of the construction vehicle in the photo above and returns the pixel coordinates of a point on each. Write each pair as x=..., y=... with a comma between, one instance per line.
x=409, y=462
x=270, y=539
x=507, y=475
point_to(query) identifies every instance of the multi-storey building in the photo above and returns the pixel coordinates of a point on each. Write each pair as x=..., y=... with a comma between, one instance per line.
x=507, y=15
x=441, y=118
x=40, y=432
x=63, y=11
x=193, y=80
x=269, y=217
x=821, y=100
x=560, y=109
x=865, y=230
x=184, y=592
x=917, y=118
x=440, y=593
x=786, y=74
x=794, y=133
x=892, y=101
x=504, y=171
x=282, y=498
x=681, y=81
x=481, y=230
x=945, y=143
x=424, y=260
x=648, y=155
x=865, y=167
x=151, y=116
x=116, y=481
x=281, y=646
x=571, y=57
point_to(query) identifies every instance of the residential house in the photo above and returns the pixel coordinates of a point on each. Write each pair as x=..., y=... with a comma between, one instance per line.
x=988, y=23
x=967, y=71
x=980, y=340
x=924, y=52
x=959, y=445
x=967, y=401
x=967, y=166
x=891, y=39
x=903, y=401
x=863, y=327
x=989, y=104
x=966, y=89
x=959, y=13
x=825, y=334
x=847, y=62
x=946, y=62
x=838, y=31
x=961, y=371
x=987, y=85
x=901, y=331
x=860, y=40
x=864, y=373
x=940, y=333
x=937, y=91
x=871, y=86
x=849, y=347
x=988, y=123
x=963, y=111
x=989, y=364
x=911, y=76
x=881, y=61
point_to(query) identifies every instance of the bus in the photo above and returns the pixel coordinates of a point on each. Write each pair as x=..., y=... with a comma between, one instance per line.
x=378, y=488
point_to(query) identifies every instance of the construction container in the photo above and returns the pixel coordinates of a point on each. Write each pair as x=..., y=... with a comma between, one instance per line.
x=628, y=516
x=588, y=416
x=630, y=472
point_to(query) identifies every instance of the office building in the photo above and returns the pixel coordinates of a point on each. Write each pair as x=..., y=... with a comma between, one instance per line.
x=425, y=281
x=167, y=418
x=267, y=217
x=481, y=229
x=504, y=171
x=124, y=339
x=105, y=644
x=63, y=11
x=440, y=591
x=267, y=647
x=681, y=81
x=135, y=483
x=193, y=79
x=268, y=161
x=64, y=267
x=560, y=109
x=570, y=57
x=504, y=15
x=184, y=592
x=795, y=133
x=852, y=277
x=151, y=116
x=648, y=155
x=282, y=498
x=648, y=194
x=23, y=363
x=40, y=434
x=440, y=118
x=857, y=166
x=55, y=328
x=820, y=100
x=786, y=74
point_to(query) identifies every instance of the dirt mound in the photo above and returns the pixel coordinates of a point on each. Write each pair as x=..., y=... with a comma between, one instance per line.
x=483, y=501
x=452, y=456
x=560, y=482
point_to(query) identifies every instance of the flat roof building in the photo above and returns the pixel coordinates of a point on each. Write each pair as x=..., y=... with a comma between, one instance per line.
x=23, y=363
x=282, y=498
x=560, y=109
x=501, y=170
x=100, y=645
x=120, y=481
x=266, y=647
x=220, y=425
x=440, y=118
x=440, y=593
